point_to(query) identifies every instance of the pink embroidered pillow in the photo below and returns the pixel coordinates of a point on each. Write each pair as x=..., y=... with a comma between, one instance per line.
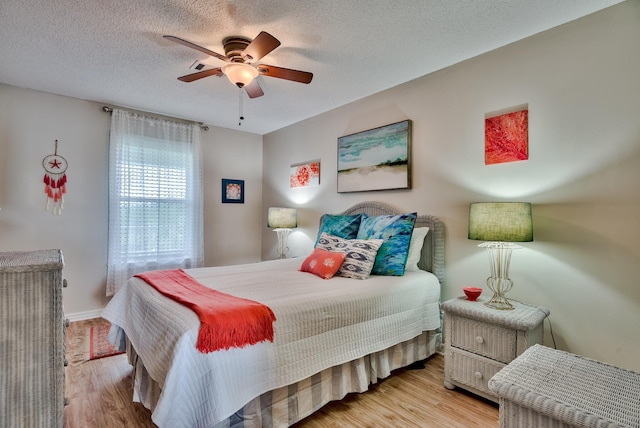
x=323, y=263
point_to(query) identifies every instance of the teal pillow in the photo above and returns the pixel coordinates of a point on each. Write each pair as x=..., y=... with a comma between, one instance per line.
x=395, y=231
x=342, y=226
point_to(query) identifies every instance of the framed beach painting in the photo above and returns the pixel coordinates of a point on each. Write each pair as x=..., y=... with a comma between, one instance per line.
x=232, y=191
x=377, y=159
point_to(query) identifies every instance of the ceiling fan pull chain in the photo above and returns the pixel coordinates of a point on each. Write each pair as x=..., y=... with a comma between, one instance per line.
x=240, y=107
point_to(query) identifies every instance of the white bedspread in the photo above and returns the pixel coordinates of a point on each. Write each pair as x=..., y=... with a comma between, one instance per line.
x=320, y=323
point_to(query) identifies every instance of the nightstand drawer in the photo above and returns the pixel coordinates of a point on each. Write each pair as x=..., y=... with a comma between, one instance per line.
x=472, y=370
x=492, y=341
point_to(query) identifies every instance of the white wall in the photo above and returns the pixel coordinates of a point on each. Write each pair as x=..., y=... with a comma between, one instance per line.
x=30, y=121
x=231, y=230
x=581, y=84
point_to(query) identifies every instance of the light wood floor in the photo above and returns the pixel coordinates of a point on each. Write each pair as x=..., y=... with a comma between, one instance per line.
x=100, y=394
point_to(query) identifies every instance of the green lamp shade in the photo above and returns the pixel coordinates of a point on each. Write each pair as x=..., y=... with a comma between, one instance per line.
x=500, y=221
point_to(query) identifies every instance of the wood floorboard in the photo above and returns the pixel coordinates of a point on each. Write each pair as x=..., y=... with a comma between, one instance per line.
x=100, y=396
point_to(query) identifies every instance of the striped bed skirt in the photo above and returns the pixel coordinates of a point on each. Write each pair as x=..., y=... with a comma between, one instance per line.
x=287, y=405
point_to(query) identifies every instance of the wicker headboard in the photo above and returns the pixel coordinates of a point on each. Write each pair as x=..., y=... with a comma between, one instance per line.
x=432, y=257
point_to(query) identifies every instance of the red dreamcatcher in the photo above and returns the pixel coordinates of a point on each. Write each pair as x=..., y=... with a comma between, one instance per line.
x=55, y=180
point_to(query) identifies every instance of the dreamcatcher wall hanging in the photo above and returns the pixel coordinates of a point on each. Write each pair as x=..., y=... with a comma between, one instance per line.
x=55, y=180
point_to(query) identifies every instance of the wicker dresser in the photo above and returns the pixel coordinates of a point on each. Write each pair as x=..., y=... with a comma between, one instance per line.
x=480, y=341
x=31, y=340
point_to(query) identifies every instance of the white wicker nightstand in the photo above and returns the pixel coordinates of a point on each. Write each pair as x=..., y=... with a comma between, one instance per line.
x=480, y=341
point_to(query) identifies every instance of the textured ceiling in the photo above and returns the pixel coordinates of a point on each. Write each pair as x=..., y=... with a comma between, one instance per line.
x=112, y=51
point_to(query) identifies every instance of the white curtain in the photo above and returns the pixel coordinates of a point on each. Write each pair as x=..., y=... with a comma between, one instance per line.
x=155, y=197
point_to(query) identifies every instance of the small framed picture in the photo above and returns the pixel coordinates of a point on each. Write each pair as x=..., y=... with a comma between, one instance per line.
x=232, y=191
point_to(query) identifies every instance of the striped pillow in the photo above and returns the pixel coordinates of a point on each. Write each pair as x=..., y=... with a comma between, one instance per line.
x=361, y=254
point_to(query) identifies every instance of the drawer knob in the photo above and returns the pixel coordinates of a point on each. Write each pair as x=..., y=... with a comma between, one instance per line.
x=478, y=375
x=479, y=340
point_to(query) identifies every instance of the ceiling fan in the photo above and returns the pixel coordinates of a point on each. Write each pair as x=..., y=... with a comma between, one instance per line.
x=240, y=54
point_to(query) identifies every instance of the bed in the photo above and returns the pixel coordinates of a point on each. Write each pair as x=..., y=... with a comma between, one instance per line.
x=332, y=337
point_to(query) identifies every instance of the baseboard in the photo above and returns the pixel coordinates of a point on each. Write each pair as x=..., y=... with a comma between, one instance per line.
x=86, y=315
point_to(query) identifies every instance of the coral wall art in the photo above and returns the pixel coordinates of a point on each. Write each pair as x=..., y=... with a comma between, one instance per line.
x=506, y=137
x=305, y=174
x=232, y=191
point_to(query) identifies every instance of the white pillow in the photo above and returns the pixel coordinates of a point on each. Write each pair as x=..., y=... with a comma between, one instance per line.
x=415, y=248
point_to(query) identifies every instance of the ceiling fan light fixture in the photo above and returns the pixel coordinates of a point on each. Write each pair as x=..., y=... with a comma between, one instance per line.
x=239, y=74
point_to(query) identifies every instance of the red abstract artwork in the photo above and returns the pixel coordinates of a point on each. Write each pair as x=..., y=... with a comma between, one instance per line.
x=305, y=175
x=506, y=138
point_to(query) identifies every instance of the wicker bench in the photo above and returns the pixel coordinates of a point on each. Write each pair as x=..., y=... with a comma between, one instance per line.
x=545, y=387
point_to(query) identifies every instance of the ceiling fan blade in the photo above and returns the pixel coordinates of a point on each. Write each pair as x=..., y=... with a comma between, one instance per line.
x=285, y=73
x=260, y=46
x=253, y=89
x=201, y=74
x=196, y=47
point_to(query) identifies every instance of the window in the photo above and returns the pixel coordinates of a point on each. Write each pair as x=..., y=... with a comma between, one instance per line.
x=155, y=197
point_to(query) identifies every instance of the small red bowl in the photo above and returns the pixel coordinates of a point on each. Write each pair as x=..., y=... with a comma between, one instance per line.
x=472, y=293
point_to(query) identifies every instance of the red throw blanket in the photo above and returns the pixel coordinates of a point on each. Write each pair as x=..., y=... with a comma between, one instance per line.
x=226, y=321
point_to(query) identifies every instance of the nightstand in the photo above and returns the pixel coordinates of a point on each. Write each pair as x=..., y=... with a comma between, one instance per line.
x=479, y=341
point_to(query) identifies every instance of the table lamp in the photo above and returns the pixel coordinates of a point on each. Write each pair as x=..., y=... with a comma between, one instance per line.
x=282, y=220
x=500, y=224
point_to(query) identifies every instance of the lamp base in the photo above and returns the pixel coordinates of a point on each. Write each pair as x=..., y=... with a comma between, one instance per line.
x=282, y=242
x=498, y=300
x=499, y=282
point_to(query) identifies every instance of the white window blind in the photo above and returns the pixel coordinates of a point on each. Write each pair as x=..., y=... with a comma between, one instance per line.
x=155, y=197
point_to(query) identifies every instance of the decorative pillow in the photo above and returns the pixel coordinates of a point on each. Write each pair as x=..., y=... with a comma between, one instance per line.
x=323, y=263
x=361, y=254
x=395, y=231
x=415, y=248
x=342, y=226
